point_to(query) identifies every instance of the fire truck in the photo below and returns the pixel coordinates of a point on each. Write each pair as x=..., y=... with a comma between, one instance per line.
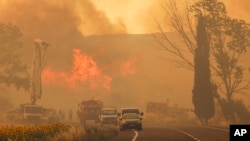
x=90, y=110
x=31, y=112
x=27, y=113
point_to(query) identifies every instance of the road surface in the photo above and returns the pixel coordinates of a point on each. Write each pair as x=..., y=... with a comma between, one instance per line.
x=174, y=133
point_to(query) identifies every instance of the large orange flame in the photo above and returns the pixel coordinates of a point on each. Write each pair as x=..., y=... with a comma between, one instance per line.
x=84, y=70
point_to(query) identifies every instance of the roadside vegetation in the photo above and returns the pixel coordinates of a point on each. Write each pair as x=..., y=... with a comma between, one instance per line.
x=100, y=133
x=55, y=132
x=32, y=132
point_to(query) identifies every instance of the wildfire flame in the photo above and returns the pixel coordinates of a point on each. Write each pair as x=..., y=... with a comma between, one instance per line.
x=84, y=70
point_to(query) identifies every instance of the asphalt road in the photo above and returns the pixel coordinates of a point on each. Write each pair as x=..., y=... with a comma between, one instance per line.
x=174, y=133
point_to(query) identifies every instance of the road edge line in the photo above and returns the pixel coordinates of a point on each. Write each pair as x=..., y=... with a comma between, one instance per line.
x=185, y=133
x=136, y=135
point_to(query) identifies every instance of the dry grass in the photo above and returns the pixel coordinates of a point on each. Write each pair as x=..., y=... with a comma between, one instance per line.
x=100, y=133
x=55, y=132
x=11, y=132
x=75, y=133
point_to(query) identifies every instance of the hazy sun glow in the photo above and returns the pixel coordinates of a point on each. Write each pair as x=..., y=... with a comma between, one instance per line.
x=103, y=17
x=139, y=15
x=131, y=12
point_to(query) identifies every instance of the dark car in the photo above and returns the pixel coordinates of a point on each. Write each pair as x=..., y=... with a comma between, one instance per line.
x=130, y=121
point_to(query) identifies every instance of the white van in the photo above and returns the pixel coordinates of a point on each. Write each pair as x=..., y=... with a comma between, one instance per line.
x=109, y=116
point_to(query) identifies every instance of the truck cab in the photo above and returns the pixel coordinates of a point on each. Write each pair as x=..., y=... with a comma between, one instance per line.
x=31, y=112
x=109, y=116
x=130, y=110
x=89, y=110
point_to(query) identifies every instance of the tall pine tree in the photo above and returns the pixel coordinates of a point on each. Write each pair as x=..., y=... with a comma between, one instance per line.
x=202, y=91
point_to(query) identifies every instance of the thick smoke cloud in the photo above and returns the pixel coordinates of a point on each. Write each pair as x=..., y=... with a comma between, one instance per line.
x=65, y=25
x=54, y=18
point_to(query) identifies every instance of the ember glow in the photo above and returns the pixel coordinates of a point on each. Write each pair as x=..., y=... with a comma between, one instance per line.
x=84, y=71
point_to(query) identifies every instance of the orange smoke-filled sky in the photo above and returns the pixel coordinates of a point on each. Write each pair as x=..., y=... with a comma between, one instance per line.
x=109, y=16
x=139, y=15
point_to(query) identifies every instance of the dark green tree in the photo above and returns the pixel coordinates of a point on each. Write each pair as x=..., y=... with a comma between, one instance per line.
x=228, y=38
x=202, y=91
x=12, y=70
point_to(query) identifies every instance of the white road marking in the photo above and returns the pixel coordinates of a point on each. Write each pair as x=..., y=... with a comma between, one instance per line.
x=187, y=134
x=193, y=137
x=136, y=135
x=215, y=128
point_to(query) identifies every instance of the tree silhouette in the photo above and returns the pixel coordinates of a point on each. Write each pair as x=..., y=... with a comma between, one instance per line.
x=228, y=39
x=202, y=91
x=12, y=70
